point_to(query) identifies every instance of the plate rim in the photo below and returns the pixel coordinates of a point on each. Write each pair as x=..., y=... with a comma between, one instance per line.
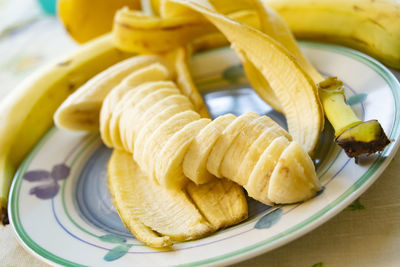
x=327, y=212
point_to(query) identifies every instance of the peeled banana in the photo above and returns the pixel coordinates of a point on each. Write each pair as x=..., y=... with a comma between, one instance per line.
x=176, y=145
x=26, y=113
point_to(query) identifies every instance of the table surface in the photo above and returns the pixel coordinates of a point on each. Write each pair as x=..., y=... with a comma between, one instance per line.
x=367, y=233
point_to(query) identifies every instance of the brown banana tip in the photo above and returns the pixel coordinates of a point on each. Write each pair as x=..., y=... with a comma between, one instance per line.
x=4, y=216
x=354, y=148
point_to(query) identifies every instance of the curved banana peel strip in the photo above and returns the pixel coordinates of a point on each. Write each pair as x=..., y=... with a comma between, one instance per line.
x=295, y=90
x=148, y=209
x=180, y=59
x=135, y=31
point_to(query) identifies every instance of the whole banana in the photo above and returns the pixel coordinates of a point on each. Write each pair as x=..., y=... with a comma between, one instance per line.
x=372, y=27
x=26, y=114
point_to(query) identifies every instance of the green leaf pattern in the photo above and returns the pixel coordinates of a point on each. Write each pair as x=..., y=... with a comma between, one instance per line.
x=118, y=251
x=356, y=205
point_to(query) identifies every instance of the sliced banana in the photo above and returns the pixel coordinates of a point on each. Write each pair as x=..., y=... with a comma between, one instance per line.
x=225, y=140
x=258, y=183
x=195, y=161
x=127, y=103
x=152, y=72
x=294, y=178
x=163, y=110
x=130, y=101
x=139, y=109
x=168, y=169
x=240, y=145
x=160, y=136
x=257, y=148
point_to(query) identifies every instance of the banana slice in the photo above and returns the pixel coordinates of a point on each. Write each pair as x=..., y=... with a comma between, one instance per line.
x=145, y=206
x=160, y=136
x=225, y=140
x=80, y=111
x=195, y=161
x=163, y=110
x=294, y=178
x=257, y=148
x=258, y=183
x=128, y=102
x=240, y=145
x=133, y=122
x=131, y=100
x=153, y=72
x=168, y=169
x=222, y=202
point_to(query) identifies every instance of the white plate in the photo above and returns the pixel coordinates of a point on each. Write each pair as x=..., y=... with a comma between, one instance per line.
x=61, y=210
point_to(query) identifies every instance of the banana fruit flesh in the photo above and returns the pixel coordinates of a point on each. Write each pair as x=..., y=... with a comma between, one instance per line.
x=196, y=158
x=176, y=145
x=26, y=113
x=372, y=27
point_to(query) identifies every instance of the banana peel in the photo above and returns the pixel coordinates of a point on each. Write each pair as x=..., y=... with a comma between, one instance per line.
x=158, y=216
x=165, y=214
x=293, y=87
x=134, y=31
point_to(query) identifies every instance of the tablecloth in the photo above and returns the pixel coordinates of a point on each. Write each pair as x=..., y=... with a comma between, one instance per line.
x=367, y=233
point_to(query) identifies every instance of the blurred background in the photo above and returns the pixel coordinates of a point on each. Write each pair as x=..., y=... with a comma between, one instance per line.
x=30, y=35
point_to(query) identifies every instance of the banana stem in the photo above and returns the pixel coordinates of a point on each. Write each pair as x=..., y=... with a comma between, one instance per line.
x=339, y=114
x=5, y=183
x=352, y=134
